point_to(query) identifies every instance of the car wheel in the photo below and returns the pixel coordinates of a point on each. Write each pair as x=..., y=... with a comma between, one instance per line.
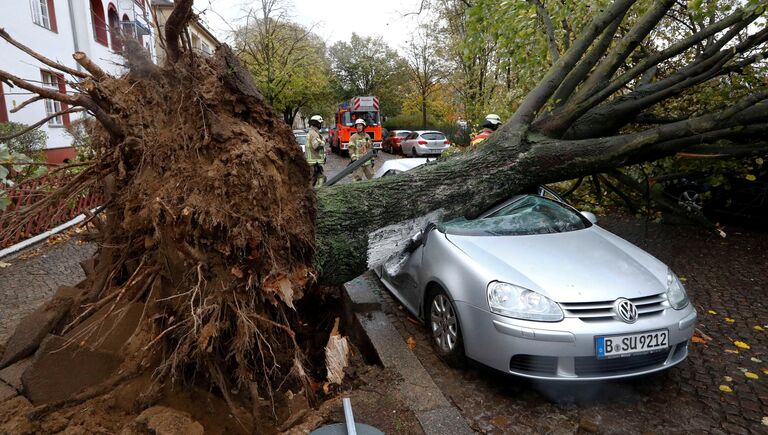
x=690, y=200
x=413, y=152
x=443, y=321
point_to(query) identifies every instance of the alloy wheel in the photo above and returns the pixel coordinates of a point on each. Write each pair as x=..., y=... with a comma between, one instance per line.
x=444, y=323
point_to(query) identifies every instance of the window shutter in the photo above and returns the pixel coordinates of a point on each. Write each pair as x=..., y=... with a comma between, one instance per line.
x=3, y=109
x=52, y=17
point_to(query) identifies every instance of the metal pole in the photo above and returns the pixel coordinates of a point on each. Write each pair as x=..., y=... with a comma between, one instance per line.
x=349, y=419
x=349, y=169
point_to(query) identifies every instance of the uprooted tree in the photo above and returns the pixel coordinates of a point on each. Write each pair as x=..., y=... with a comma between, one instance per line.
x=209, y=219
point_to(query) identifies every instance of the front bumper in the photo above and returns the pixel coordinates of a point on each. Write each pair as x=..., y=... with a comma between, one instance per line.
x=565, y=350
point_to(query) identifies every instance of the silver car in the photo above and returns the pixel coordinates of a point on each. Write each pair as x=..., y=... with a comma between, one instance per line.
x=424, y=142
x=534, y=288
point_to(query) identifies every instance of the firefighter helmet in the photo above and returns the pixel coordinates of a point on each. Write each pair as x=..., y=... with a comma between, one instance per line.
x=316, y=121
x=360, y=121
x=493, y=118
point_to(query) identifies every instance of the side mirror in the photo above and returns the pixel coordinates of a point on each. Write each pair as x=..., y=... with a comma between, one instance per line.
x=590, y=216
x=415, y=241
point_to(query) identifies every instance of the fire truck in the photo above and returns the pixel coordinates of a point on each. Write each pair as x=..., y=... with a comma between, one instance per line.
x=347, y=113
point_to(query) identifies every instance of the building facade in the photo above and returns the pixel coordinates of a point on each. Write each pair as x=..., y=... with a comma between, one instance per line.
x=202, y=40
x=57, y=29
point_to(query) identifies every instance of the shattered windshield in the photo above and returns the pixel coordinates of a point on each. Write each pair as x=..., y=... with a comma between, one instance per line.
x=530, y=214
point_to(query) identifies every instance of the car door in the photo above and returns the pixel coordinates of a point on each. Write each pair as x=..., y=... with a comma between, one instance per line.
x=401, y=274
x=405, y=146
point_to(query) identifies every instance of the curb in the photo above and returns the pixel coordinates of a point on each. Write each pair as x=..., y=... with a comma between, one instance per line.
x=372, y=328
x=43, y=236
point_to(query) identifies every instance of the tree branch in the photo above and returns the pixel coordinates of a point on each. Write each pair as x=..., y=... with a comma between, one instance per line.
x=585, y=65
x=26, y=103
x=541, y=11
x=174, y=27
x=40, y=57
x=539, y=96
x=624, y=48
x=83, y=60
x=40, y=123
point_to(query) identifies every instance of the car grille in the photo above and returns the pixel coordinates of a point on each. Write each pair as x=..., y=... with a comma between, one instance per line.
x=591, y=366
x=647, y=306
x=534, y=364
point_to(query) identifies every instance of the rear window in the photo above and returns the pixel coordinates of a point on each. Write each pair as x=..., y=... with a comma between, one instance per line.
x=433, y=136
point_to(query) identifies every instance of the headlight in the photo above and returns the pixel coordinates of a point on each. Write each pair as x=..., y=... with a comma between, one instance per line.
x=513, y=301
x=676, y=295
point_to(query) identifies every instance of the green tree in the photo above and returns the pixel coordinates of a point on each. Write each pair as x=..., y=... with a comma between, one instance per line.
x=426, y=67
x=30, y=143
x=287, y=60
x=368, y=66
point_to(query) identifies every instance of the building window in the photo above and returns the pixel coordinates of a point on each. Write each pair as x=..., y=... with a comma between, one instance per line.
x=99, y=22
x=206, y=48
x=55, y=82
x=114, y=28
x=43, y=14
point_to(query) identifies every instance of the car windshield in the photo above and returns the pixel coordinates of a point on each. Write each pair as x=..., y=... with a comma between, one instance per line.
x=529, y=214
x=433, y=136
x=370, y=118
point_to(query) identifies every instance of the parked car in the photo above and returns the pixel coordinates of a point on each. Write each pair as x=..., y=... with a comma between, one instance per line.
x=424, y=142
x=535, y=288
x=727, y=196
x=301, y=138
x=396, y=166
x=391, y=143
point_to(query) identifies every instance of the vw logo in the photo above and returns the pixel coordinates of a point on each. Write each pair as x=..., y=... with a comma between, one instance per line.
x=626, y=310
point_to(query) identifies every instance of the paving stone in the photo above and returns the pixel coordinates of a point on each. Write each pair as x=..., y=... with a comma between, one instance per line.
x=21, y=292
x=6, y=392
x=11, y=375
x=32, y=329
x=443, y=421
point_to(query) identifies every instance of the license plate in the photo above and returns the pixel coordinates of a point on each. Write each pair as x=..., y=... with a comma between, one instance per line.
x=621, y=345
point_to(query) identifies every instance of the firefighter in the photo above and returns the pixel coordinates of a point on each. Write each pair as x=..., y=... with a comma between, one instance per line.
x=315, y=150
x=360, y=145
x=489, y=125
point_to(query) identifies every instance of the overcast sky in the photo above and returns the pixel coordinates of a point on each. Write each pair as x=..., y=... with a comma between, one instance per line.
x=334, y=20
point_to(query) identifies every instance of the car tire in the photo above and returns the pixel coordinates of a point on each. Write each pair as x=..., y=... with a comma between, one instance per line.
x=443, y=323
x=413, y=152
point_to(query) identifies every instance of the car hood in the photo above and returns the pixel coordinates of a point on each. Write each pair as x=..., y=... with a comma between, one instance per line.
x=579, y=266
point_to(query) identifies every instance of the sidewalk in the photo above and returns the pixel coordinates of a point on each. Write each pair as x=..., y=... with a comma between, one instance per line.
x=28, y=282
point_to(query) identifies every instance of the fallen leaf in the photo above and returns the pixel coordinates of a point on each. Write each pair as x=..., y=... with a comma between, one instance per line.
x=751, y=375
x=500, y=421
x=729, y=320
x=756, y=360
x=727, y=379
x=683, y=279
x=731, y=351
x=765, y=421
x=741, y=345
x=4, y=265
x=765, y=371
x=712, y=312
x=726, y=389
x=411, y=343
x=743, y=369
x=697, y=339
x=414, y=321
x=758, y=328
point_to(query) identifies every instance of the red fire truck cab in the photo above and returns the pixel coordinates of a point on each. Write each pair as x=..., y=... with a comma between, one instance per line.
x=347, y=113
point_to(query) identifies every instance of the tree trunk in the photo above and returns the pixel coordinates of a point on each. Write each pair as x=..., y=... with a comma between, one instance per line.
x=424, y=111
